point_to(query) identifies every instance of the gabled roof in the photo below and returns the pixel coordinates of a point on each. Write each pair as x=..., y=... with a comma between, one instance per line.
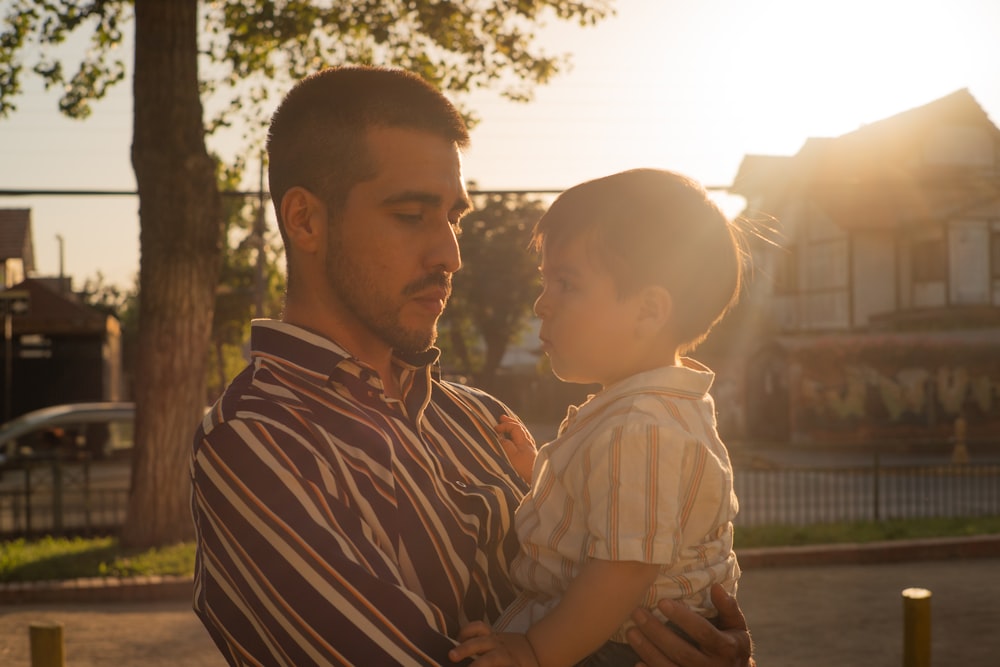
x=53, y=312
x=876, y=176
x=15, y=236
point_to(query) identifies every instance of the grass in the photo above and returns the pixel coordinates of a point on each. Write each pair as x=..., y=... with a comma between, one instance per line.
x=71, y=558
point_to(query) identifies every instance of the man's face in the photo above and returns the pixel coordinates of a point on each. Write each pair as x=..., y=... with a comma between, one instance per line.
x=393, y=248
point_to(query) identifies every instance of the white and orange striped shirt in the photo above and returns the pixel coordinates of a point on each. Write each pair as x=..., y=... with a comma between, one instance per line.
x=637, y=473
x=337, y=526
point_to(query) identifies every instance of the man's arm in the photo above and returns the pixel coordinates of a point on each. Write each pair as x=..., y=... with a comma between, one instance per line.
x=288, y=573
x=729, y=645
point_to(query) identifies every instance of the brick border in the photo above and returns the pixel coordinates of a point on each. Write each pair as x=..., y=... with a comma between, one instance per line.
x=98, y=589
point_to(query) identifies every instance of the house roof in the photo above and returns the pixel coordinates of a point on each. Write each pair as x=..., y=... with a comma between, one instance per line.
x=877, y=176
x=53, y=312
x=15, y=236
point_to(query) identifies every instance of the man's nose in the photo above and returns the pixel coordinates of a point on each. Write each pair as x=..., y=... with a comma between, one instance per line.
x=444, y=251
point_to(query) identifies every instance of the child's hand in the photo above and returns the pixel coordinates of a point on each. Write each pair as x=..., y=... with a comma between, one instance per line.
x=518, y=445
x=505, y=649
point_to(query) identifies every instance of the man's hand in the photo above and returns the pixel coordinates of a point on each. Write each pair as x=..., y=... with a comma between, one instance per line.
x=728, y=645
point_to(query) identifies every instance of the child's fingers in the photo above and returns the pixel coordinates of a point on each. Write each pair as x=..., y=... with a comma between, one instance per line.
x=473, y=647
x=474, y=629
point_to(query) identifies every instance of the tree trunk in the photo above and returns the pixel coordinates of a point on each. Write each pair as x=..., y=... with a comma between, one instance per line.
x=180, y=239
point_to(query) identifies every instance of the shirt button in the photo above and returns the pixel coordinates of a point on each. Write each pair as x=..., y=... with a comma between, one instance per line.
x=462, y=485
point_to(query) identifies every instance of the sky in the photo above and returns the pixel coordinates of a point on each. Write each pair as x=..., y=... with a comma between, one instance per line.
x=687, y=86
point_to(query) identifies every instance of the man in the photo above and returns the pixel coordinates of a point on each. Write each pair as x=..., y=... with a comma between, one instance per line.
x=350, y=507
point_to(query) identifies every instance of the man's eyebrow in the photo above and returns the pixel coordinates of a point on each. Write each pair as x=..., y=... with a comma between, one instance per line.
x=413, y=196
x=461, y=206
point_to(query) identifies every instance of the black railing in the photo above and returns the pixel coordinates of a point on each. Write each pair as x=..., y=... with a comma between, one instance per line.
x=57, y=496
x=62, y=497
x=804, y=495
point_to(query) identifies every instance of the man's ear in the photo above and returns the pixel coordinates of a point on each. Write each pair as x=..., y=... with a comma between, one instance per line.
x=303, y=215
x=655, y=307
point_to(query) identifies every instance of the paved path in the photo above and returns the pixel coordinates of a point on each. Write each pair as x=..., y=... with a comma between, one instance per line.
x=852, y=615
x=829, y=616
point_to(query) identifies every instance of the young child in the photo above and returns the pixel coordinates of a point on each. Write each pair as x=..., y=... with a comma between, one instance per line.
x=633, y=501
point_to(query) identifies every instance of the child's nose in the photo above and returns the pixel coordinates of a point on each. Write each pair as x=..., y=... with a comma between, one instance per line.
x=541, y=305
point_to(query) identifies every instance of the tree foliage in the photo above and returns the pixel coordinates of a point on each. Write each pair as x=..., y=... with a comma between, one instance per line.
x=225, y=60
x=495, y=290
x=250, y=283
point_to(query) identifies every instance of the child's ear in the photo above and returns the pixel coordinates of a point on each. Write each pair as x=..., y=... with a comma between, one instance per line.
x=302, y=213
x=655, y=308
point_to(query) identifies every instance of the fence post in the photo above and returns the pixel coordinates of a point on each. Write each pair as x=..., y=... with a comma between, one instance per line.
x=916, y=627
x=876, y=473
x=960, y=452
x=57, y=494
x=46, y=645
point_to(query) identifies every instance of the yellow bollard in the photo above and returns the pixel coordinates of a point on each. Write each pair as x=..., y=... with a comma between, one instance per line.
x=46, y=644
x=916, y=627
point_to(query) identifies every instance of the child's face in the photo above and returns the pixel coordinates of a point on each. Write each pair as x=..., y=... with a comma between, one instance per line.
x=587, y=329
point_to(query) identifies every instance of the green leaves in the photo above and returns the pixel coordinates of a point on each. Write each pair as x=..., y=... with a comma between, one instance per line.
x=41, y=28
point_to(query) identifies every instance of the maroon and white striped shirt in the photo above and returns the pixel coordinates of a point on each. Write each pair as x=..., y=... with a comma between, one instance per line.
x=337, y=526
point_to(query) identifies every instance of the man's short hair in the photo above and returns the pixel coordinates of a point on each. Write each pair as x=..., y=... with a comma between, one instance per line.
x=654, y=227
x=317, y=136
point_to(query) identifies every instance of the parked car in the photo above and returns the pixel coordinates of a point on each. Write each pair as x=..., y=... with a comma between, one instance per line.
x=96, y=430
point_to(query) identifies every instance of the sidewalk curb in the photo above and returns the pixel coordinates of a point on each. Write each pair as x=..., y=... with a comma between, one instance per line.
x=98, y=589
x=893, y=551
x=162, y=588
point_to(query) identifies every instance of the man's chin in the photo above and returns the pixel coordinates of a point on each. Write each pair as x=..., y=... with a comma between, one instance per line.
x=414, y=342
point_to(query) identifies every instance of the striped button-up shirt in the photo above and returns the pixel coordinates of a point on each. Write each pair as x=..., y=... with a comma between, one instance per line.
x=637, y=473
x=337, y=526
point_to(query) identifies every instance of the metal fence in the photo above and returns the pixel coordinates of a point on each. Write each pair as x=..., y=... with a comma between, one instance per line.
x=59, y=497
x=67, y=498
x=803, y=495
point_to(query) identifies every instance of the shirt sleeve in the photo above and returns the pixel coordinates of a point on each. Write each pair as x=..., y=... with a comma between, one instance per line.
x=287, y=571
x=643, y=486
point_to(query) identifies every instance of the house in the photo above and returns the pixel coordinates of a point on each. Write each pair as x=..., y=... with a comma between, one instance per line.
x=61, y=350
x=17, y=255
x=876, y=315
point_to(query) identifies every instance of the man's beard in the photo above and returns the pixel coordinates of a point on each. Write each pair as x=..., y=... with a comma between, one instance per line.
x=359, y=292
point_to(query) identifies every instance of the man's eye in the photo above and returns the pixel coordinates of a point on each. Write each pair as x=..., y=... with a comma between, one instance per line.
x=409, y=217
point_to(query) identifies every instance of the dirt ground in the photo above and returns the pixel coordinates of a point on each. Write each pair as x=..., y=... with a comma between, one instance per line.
x=120, y=634
x=829, y=616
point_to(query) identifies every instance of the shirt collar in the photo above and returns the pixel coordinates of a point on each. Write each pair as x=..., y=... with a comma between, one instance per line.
x=320, y=359
x=691, y=379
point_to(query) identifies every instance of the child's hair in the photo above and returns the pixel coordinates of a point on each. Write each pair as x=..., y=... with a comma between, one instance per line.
x=654, y=227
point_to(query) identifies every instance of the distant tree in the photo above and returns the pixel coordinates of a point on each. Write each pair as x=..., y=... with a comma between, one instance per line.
x=497, y=286
x=250, y=280
x=246, y=51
